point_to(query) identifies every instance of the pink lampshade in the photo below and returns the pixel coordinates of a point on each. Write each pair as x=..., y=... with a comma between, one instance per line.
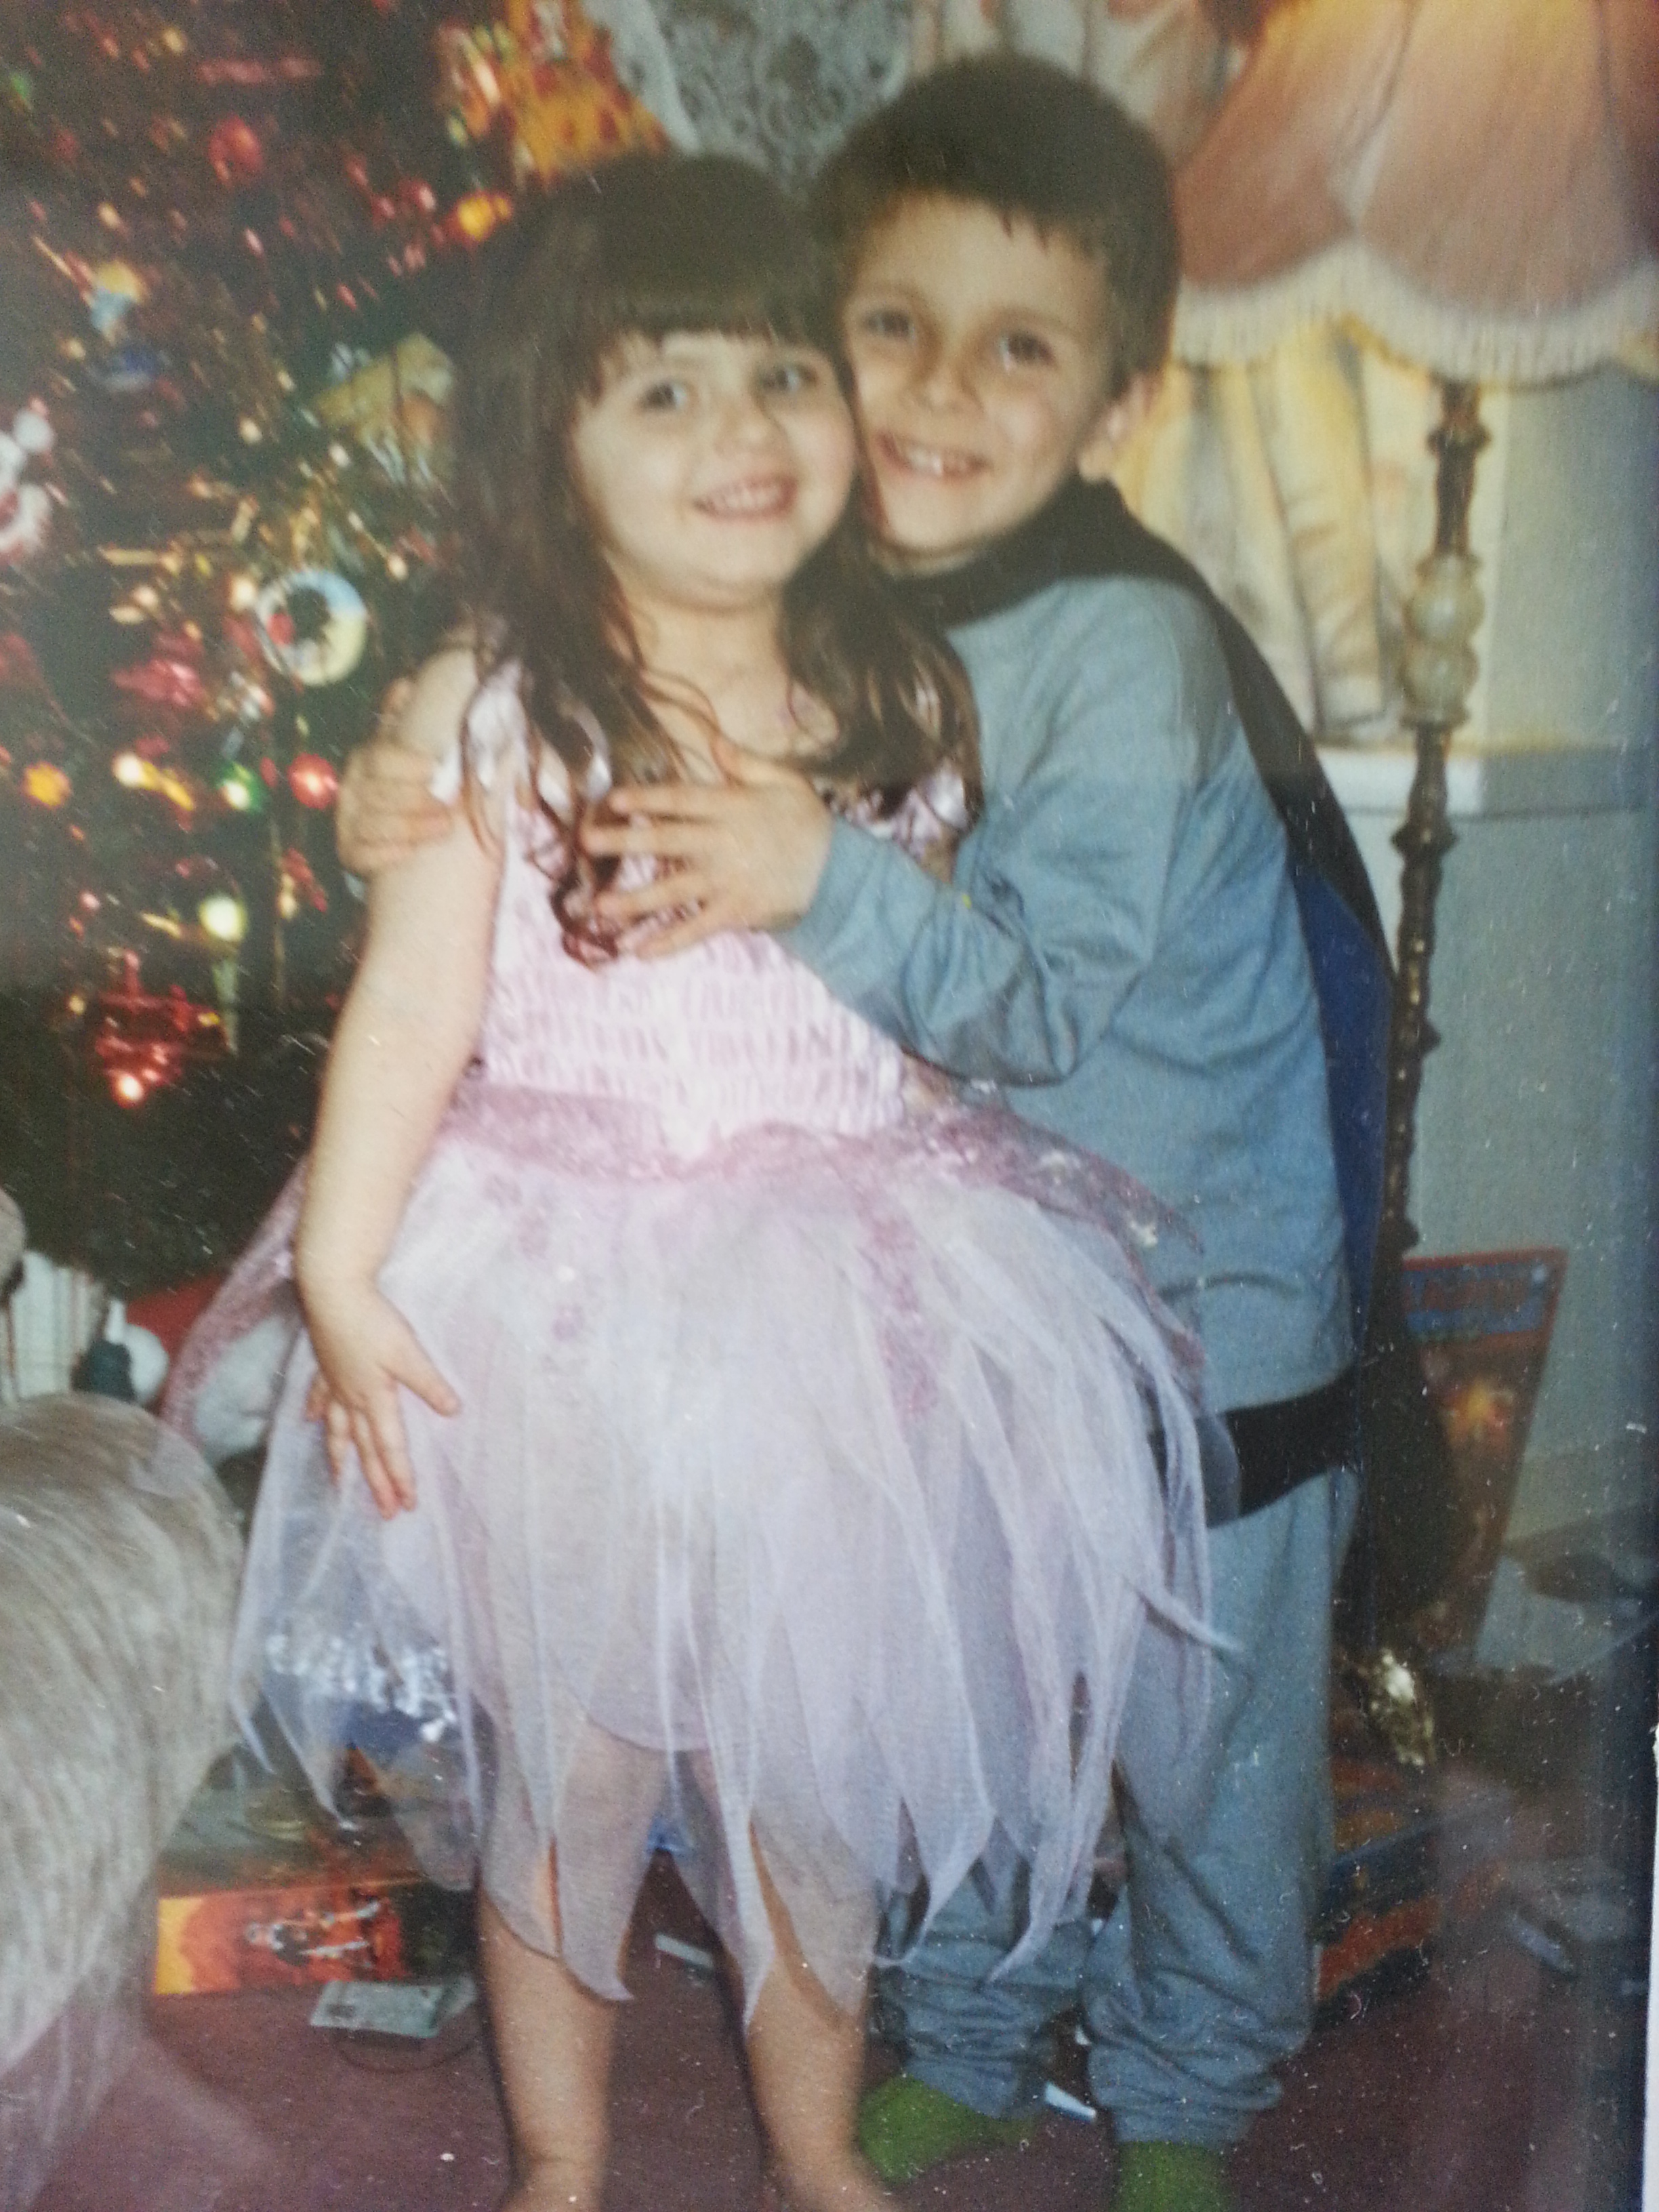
x=1476, y=181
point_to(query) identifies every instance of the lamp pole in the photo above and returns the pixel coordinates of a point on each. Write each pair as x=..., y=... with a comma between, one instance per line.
x=1438, y=668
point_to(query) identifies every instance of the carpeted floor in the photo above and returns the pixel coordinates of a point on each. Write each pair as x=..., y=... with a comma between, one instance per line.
x=1492, y=2088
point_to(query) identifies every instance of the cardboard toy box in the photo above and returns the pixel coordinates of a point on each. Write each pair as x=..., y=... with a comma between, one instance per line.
x=260, y=1888
x=1415, y=1853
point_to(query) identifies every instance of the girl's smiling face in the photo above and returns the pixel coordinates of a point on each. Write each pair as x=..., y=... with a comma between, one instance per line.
x=713, y=466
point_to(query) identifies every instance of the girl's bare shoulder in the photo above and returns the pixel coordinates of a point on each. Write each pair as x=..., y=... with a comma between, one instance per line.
x=443, y=690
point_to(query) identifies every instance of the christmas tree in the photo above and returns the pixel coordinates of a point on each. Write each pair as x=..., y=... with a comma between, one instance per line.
x=228, y=232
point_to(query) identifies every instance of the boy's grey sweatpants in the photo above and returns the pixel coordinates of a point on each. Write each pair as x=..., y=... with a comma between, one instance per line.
x=1201, y=1981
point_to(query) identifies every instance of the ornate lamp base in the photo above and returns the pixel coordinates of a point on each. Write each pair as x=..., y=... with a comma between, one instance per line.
x=1439, y=667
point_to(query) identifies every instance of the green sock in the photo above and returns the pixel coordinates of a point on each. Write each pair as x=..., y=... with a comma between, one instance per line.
x=1170, y=2176
x=905, y=2127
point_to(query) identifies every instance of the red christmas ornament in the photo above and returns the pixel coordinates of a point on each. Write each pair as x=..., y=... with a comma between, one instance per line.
x=18, y=665
x=165, y=680
x=313, y=781
x=234, y=150
x=298, y=886
x=144, y=1041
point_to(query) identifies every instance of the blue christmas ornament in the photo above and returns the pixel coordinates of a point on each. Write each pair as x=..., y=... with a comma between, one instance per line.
x=131, y=369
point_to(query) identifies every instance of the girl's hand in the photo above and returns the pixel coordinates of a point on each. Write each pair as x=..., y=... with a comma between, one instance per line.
x=365, y=1349
x=747, y=854
x=385, y=809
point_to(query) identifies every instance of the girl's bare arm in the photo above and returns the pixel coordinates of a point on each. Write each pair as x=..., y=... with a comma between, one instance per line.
x=404, y=1037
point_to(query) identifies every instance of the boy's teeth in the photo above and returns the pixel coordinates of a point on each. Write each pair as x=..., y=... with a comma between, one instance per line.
x=930, y=460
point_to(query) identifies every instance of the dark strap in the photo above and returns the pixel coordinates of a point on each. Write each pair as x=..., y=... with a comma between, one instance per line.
x=1288, y=1442
x=1086, y=530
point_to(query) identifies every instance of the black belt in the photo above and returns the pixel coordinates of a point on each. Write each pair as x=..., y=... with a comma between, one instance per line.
x=1286, y=1444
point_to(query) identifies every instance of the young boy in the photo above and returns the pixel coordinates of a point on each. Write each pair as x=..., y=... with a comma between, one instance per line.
x=1120, y=954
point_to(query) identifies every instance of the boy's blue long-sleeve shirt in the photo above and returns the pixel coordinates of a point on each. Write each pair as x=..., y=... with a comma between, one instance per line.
x=1119, y=953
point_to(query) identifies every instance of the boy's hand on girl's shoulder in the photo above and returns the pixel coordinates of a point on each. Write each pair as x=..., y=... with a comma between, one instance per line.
x=365, y=1351
x=385, y=809
x=747, y=854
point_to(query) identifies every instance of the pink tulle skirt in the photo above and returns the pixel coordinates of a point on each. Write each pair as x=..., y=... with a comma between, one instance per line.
x=828, y=1495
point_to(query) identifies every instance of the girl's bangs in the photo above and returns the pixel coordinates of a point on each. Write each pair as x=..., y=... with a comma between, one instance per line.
x=722, y=255
x=788, y=306
x=789, y=312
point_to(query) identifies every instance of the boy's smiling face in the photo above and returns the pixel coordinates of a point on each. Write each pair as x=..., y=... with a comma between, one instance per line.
x=982, y=358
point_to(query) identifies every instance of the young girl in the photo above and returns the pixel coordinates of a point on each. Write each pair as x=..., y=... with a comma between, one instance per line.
x=758, y=1432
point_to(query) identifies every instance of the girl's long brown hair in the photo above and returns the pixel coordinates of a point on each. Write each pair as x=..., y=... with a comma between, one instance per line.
x=649, y=245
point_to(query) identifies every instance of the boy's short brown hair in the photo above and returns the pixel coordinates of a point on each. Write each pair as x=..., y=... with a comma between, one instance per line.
x=1032, y=143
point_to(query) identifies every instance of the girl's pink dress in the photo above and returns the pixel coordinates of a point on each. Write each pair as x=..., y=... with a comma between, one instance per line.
x=803, y=1488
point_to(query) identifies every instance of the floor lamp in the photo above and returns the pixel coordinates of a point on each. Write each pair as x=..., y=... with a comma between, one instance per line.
x=1474, y=184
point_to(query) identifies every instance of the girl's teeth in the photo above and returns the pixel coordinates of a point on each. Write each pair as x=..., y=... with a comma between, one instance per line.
x=749, y=499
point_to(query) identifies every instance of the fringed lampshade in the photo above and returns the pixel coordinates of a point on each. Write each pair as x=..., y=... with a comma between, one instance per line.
x=1476, y=183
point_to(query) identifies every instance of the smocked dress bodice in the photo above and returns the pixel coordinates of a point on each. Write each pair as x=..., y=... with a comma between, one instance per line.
x=730, y=1036
x=727, y=1036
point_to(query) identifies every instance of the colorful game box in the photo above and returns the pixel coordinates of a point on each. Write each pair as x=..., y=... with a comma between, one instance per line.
x=260, y=1888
